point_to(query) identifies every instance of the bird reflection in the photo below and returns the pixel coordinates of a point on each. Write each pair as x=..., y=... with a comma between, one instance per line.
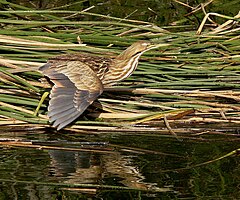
x=91, y=168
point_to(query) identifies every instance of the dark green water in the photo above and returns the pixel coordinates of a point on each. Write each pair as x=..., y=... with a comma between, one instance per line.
x=160, y=163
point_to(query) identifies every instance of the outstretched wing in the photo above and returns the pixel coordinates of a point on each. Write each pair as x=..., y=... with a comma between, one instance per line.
x=76, y=86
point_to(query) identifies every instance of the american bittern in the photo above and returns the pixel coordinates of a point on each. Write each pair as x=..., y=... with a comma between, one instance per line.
x=80, y=78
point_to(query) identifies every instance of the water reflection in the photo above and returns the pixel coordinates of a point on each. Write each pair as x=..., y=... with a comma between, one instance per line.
x=65, y=163
x=85, y=167
x=146, y=162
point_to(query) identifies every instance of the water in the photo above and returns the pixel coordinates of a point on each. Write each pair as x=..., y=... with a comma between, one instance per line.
x=117, y=166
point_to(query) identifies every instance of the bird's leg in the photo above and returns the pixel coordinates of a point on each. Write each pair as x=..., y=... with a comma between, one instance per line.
x=44, y=96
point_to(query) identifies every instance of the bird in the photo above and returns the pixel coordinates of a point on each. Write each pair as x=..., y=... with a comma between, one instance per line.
x=79, y=78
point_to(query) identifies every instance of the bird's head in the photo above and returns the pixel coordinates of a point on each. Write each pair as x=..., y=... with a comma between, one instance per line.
x=125, y=64
x=139, y=48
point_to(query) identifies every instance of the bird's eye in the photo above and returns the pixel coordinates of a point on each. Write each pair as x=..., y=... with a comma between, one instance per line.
x=145, y=44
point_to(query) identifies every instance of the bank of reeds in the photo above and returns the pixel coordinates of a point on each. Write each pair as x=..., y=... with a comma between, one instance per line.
x=194, y=80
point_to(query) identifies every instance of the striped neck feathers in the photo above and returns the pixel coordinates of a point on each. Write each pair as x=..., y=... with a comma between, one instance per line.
x=125, y=64
x=121, y=69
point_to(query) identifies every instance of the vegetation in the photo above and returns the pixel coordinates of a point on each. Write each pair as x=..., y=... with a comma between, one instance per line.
x=195, y=79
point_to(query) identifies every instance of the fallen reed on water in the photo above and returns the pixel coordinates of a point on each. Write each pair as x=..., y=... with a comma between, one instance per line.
x=195, y=79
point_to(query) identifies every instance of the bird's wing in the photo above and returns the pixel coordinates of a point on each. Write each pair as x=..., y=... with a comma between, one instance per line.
x=76, y=86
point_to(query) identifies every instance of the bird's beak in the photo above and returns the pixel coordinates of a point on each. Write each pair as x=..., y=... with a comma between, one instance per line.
x=154, y=45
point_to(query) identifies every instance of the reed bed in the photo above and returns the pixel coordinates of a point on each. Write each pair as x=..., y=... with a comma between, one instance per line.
x=193, y=80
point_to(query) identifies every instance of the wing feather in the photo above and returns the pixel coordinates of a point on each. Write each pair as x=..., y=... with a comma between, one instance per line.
x=62, y=123
x=64, y=114
x=59, y=108
x=76, y=86
x=56, y=111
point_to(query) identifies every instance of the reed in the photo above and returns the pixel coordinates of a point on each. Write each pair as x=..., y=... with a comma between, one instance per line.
x=194, y=80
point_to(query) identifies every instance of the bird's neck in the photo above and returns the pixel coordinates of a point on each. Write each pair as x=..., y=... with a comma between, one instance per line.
x=121, y=68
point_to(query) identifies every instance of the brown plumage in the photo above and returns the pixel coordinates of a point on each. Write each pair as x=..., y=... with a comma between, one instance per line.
x=80, y=78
